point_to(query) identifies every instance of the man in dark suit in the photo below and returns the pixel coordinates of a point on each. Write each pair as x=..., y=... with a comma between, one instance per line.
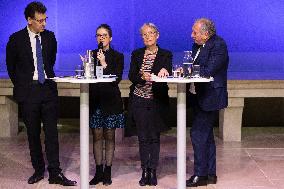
x=30, y=57
x=210, y=53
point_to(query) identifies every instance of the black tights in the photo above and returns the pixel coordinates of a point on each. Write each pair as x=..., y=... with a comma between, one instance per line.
x=100, y=135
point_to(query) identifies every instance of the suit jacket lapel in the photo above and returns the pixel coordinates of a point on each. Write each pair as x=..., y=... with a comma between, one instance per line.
x=27, y=45
x=202, y=55
x=44, y=46
x=204, y=51
x=157, y=61
x=141, y=57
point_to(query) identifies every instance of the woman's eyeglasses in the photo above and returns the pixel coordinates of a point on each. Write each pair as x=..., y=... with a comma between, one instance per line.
x=151, y=34
x=102, y=35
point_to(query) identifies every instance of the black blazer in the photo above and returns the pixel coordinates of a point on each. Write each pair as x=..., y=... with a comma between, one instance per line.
x=162, y=60
x=160, y=90
x=107, y=96
x=213, y=60
x=20, y=62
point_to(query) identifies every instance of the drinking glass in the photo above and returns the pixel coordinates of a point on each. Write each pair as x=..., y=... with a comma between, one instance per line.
x=79, y=71
x=196, y=71
x=187, y=63
x=177, y=71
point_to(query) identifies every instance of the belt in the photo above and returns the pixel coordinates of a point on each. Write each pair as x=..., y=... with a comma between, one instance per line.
x=36, y=82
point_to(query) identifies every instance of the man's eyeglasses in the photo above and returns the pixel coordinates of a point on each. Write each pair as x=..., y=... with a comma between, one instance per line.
x=151, y=34
x=41, y=20
x=101, y=35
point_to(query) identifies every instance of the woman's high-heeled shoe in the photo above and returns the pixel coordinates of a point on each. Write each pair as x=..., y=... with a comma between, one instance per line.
x=107, y=176
x=144, y=178
x=98, y=176
x=152, y=177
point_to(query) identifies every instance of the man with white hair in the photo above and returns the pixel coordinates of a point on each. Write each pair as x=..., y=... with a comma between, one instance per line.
x=210, y=53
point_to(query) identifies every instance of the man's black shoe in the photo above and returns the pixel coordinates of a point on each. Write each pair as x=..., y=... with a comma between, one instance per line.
x=35, y=178
x=211, y=179
x=195, y=181
x=62, y=180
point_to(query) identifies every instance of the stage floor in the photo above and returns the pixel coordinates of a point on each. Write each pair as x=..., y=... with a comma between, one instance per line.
x=255, y=163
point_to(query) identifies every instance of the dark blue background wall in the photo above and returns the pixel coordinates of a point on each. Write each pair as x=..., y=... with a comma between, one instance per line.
x=253, y=29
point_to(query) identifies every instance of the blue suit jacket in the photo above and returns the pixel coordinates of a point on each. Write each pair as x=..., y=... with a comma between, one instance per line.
x=213, y=60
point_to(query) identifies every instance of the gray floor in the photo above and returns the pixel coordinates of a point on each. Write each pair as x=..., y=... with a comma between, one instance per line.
x=255, y=163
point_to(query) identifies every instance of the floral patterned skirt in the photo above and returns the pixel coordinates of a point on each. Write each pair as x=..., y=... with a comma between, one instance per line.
x=98, y=120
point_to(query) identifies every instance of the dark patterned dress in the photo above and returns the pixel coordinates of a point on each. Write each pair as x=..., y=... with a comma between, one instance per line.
x=106, y=107
x=98, y=120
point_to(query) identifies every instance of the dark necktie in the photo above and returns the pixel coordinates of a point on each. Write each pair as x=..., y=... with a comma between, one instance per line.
x=40, y=69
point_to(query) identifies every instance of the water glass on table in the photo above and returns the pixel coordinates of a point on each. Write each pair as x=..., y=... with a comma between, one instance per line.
x=177, y=71
x=79, y=71
x=187, y=69
x=196, y=71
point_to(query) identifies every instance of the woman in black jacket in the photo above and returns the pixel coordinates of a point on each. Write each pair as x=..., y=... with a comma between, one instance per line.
x=149, y=100
x=106, y=105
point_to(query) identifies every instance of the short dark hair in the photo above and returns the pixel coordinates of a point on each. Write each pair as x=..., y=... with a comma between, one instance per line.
x=107, y=27
x=34, y=7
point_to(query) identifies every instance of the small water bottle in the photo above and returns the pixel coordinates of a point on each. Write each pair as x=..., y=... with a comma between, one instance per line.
x=99, y=72
x=187, y=63
x=89, y=65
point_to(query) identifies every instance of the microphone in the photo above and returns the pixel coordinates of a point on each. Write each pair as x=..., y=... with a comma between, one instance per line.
x=100, y=47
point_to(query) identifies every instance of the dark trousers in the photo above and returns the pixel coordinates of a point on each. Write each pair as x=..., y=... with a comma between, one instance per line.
x=42, y=106
x=144, y=115
x=203, y=142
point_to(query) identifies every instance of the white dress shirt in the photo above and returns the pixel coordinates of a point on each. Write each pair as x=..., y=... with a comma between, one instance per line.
x=33, y=45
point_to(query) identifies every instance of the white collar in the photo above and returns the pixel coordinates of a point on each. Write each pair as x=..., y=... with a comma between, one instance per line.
x=32, y=34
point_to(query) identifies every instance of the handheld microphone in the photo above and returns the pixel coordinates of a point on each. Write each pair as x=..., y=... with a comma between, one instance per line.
x=100, y=47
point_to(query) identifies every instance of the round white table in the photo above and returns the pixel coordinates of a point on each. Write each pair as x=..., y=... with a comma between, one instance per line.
x=181, y=122
x=84, y=123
